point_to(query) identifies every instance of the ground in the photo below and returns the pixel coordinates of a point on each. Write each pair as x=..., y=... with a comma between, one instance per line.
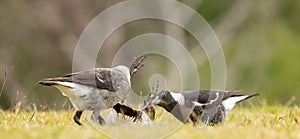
x=243, y=122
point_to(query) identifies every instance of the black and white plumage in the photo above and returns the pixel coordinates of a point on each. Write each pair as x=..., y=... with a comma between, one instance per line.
x=94, y=90
x=211, y=106
x=144, y=115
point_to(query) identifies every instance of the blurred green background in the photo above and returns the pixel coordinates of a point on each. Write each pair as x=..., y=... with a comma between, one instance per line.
x=260, y=40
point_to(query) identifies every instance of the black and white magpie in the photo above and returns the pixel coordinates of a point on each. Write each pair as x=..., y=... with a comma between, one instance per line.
x=96, y=89
x=211, y=106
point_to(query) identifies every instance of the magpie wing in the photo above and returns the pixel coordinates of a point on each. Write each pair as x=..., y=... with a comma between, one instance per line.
x=203, y=96
x=99, y=77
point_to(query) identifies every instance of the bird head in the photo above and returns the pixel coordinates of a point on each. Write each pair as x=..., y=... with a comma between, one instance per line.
x=124, y=69
x=163, y=98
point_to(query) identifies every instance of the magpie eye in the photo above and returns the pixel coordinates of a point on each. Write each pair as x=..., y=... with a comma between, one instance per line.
x=163, y=96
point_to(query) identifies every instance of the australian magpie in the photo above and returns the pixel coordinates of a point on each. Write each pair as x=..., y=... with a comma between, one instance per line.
x=96, y=89
x=211, y=106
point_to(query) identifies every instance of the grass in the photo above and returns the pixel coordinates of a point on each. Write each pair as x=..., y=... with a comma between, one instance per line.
x=252, y=122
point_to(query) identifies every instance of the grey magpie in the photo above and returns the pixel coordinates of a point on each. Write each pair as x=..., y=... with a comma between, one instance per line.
x=96, y=89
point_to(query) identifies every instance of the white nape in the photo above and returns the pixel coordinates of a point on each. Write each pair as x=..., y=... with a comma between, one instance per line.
x=229, y=103
x=178, y=98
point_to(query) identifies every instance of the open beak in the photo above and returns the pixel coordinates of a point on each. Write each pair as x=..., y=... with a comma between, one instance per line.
x=156, y=101
x=146, y=105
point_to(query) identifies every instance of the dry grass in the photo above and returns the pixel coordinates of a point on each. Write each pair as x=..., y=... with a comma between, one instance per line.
x=263, y=122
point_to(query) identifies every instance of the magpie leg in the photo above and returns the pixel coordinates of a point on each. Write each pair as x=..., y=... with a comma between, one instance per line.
x=97, y=118
x=101, y=120
x=77, y=116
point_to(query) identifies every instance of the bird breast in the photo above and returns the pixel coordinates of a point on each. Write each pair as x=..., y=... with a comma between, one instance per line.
x=90, y=98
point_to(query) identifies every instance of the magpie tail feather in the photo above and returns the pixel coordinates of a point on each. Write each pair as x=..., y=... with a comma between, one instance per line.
x=230, y=102
x=46, y=83
x=52, y=81
x=248, y=96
